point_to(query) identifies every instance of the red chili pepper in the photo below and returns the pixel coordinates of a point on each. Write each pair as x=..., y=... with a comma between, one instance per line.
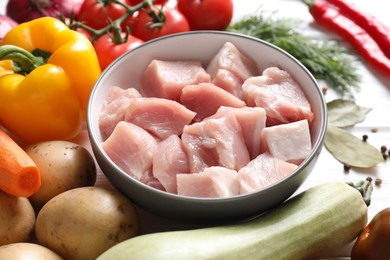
x=376, y=28
x=355, y=35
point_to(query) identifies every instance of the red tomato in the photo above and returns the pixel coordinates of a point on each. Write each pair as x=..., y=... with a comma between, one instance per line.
x=174, y=22
x=129, y=22
x=156, y=2
x=97, y=15
x=107, y=51
x=207, y=14
x=85, y=33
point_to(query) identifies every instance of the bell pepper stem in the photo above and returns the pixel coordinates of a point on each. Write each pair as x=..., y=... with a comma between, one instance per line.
x=365, y=188
x=25, y=60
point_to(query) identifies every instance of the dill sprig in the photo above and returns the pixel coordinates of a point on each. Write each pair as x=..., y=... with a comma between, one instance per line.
x=327, y=60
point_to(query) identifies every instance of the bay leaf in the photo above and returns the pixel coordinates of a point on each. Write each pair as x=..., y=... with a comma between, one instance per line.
x=351, y=150
x=344, y=113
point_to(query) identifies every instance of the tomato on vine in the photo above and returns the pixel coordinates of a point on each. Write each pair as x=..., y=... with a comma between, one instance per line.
x=156, y=2
x=98, y=14
x=159, y=21
x=108, y=48
x=207, y=14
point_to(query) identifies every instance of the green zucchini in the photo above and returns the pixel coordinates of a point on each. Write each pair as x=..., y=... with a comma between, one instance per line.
x=312, y=224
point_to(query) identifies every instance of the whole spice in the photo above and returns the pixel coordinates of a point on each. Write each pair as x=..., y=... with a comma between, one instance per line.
x=355, y=35
x=376, y=28
x=378, y=182
x=351, y=150
x=373, y=242
x=347, y=148
x=326, y=60
x=385, y=152
x=374, y=130
x=345, y=113
x=55, y=70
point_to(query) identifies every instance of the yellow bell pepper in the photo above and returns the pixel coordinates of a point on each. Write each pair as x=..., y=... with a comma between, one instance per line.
x=6, y=67
x=55, y=70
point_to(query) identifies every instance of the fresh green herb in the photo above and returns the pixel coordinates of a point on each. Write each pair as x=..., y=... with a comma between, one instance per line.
x=326, y=60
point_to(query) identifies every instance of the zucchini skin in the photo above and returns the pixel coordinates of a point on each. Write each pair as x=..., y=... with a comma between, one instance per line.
x=312, y=224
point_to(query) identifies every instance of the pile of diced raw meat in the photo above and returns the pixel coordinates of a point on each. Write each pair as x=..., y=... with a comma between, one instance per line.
x=218, y=131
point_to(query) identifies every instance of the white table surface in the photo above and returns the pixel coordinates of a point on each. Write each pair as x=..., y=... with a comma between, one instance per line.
x=374, y=93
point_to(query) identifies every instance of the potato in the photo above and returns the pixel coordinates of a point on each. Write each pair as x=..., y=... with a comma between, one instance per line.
x=22, y=251
x=17, y=218
x=84, y=222
x=63, y=166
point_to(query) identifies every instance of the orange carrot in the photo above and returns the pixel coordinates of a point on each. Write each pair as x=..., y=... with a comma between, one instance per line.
x=19, y=175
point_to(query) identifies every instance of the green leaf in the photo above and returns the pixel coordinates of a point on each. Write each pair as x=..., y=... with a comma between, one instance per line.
x=351, y=150
x=344, y=113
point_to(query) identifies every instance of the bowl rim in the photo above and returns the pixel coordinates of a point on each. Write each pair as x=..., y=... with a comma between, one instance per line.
x=316, y=147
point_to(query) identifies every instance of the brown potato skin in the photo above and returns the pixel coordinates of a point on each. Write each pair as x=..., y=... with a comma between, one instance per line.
x=17, y=218
x=84, y=222
x=22, y=251
x=63, y=166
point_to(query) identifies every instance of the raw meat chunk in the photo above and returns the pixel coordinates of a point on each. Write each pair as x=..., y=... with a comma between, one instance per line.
x=231, y=59
x=215, y=142
x=228, y=81
x=262, y=172
x=161, y=117
x=165, y=79
x=169, y=159
x=113, y=111
x=252, y=122
x=116, y=92
x=279, y=94
x=149, y=179
x=213, y=182
x=288, y=142
x=132, y=149
x=206, y=98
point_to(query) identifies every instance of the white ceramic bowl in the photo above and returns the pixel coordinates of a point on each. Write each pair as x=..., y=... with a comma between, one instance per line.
x=202, y=45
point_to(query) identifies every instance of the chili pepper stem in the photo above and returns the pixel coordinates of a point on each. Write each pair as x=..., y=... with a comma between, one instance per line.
x=24, y=59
